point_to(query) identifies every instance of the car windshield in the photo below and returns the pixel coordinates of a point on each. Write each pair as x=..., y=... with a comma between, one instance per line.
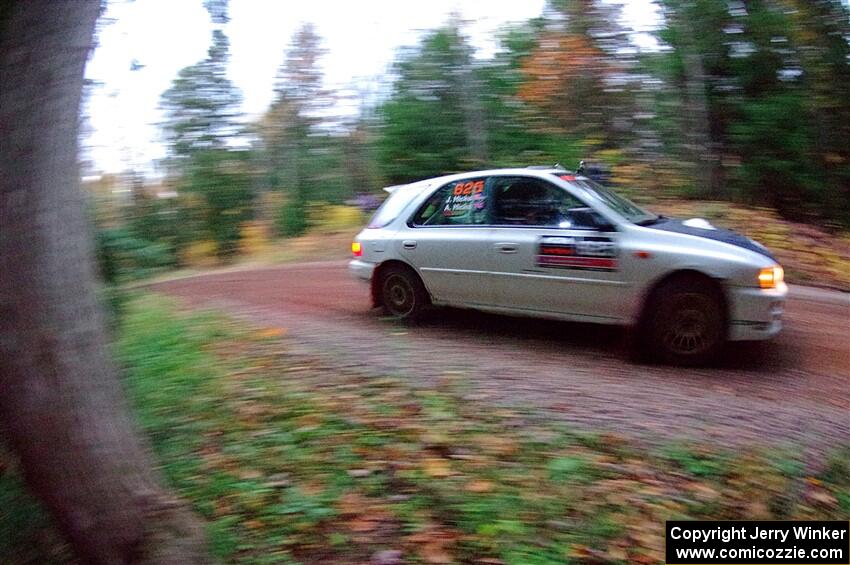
x=623, y=206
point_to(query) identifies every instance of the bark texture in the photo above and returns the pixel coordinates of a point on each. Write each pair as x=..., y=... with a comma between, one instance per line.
x=61, y=402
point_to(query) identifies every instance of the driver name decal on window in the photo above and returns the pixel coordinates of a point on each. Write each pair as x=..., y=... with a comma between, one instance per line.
x=587, y=253
x=465, y=196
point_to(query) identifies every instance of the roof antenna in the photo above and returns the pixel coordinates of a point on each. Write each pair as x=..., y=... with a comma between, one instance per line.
x=580, y=170
x=557, y=166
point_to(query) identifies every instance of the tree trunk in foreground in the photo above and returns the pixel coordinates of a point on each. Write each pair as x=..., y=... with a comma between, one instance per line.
x=61, y=404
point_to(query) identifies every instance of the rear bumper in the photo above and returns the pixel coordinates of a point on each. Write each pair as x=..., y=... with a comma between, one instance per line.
x=361, y=269
x=755, y=313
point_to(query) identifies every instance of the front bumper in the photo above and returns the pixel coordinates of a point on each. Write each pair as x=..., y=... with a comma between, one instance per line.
x=755, y=313
x=361, y=269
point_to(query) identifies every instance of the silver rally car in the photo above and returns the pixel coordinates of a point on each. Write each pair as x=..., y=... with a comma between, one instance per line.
x=553, y=244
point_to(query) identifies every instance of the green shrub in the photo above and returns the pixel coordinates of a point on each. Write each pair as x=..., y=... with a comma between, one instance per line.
x=123, y=256
x=326, y=217
x=292, y=219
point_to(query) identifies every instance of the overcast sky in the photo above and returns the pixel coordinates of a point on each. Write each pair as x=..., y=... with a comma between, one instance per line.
x=361, y=39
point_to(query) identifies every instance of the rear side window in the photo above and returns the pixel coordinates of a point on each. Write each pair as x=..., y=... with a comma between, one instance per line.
x=390, y=209
x=459, y=203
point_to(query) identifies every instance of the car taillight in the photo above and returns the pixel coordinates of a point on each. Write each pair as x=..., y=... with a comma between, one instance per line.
x=357, y=249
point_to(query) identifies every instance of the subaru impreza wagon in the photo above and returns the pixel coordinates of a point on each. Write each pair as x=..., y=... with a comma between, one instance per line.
x=554, y=244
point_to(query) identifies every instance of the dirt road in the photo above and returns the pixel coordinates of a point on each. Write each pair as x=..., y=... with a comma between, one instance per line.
x=794, y=390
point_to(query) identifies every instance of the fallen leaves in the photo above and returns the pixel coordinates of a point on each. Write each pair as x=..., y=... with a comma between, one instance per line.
x=283, y=456
x=434, y=544
x=436, y=467
x=821, y=497
x=271, y=333
x=498, y=445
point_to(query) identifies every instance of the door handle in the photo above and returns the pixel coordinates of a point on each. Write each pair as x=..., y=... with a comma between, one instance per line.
x=408, y=244
x=507, y=247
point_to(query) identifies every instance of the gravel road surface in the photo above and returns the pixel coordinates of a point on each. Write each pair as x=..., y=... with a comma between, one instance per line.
x=794, y=390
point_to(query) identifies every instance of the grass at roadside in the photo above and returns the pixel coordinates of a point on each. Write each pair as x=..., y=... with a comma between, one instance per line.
x=289, y=462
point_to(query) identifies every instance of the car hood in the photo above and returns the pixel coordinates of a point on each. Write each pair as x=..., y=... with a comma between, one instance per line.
x=701, y=228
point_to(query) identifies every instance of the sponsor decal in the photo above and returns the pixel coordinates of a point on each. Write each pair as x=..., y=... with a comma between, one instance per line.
x=588, y=253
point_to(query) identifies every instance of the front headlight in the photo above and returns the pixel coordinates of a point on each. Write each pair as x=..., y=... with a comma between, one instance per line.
x=771, y=277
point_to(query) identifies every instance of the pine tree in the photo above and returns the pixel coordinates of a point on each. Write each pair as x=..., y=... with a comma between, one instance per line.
x=434, y=121
x=202, y=110
x=287, y=127
x=202, y=105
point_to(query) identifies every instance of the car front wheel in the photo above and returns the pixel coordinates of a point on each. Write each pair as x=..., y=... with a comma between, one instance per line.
x=686, y=322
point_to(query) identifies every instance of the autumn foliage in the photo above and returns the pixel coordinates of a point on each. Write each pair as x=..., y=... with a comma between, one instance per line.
x=559, y=75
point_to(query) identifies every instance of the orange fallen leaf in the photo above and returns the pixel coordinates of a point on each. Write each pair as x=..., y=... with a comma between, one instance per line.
x=362, y=525
x=757, y=509
x=436, y=467
x=497, y=445
x=822, y=497
x=479, y=486
x=435, y=552
x=271, y=332
x=352, y=503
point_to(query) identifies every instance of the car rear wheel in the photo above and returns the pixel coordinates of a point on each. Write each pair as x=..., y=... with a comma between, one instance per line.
x=403, y=296
x=686, y=322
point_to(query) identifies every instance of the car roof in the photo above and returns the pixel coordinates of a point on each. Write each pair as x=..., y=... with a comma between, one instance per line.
x=519, y=171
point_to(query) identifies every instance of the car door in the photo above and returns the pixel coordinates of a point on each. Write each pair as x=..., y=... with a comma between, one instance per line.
x=447, y=240
x=553, y=253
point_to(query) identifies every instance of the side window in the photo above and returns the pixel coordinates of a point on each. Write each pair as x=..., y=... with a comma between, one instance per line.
x=520, y=201
x=458, y=203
